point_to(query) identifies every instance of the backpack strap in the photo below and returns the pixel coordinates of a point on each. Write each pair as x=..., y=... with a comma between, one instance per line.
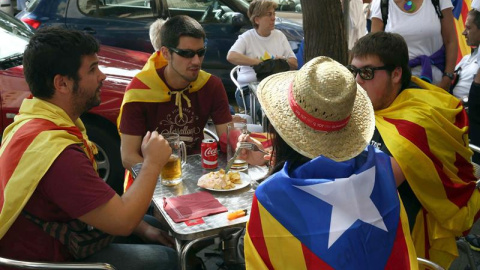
x=436, y=5
x=384, y=10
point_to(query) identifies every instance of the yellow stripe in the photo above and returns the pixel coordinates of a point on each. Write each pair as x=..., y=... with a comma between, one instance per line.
x=284, y=249
x=412, y=256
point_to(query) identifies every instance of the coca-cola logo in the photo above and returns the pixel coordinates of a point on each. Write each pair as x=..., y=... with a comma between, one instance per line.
x=210, y=152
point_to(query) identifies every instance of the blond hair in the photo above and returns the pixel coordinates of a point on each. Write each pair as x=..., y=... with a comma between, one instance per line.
x=259, y=8
x=154, y=32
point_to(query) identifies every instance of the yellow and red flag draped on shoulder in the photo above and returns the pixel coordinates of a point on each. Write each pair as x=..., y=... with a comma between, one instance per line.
x=40, y=132
x=460, y=11
x=346, y=215
x=426, y=132
x=147, y=86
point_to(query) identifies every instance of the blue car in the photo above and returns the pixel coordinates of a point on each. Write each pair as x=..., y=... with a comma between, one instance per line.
x=125, y=24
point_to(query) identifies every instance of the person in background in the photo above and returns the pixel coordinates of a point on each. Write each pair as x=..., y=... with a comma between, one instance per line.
x=172, y=93
x=468, y=66
x=47, y=163
x=302, y=214
x=425, y=131
x=258, y=44
x=432, y=42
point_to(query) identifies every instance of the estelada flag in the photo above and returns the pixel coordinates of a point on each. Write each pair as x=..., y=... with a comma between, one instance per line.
x=460, y=11
x=330, y=215
x=426, y=131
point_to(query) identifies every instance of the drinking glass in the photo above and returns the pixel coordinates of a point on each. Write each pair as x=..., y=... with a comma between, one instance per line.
x=234, y=130
x=171, y=174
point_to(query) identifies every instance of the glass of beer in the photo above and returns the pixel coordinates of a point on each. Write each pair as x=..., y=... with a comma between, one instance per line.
x=234, y=130
x=171, y=174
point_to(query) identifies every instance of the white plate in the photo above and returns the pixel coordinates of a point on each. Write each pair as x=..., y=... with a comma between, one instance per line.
x=246, y=179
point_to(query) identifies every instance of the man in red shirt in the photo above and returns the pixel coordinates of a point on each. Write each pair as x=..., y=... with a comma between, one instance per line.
x=172, y=94
x=47, y=165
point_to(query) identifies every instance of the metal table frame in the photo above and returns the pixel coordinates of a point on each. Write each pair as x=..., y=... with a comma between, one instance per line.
x=186, y=236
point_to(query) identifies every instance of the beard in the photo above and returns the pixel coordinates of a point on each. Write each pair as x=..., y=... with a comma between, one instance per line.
x=82, y=101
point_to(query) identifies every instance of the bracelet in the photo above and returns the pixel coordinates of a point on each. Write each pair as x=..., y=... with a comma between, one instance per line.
x=449, y=75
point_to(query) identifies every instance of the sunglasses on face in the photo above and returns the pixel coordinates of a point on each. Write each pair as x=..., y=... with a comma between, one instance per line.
x=188, y=53
x=367, y=73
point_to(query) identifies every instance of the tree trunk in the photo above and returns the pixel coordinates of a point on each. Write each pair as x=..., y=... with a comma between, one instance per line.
x=324, y=30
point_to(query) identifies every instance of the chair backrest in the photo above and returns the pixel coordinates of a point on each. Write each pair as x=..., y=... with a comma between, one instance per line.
x=475, y=165
x=429, y=264
x=233, y=74
x=49, y=265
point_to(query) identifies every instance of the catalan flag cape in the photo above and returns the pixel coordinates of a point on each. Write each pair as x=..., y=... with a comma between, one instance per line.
x=147, y=86
x=330, y=215
x=39, y=133
x=460, y=11
x=426, y=132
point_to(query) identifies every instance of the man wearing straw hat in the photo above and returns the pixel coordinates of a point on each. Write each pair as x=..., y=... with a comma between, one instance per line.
x=425, y=131
x=330, y=202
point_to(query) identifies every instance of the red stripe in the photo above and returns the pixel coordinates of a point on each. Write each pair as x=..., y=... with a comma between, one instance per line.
x=457, y=193
x=16, y=147
x=137, y=84
x=256, y=233
x=312, y=261
x=465, y=169
x=461, y=119
x=399, y=256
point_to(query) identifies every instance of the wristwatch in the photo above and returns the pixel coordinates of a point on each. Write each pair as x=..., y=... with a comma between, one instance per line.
x=449, y=75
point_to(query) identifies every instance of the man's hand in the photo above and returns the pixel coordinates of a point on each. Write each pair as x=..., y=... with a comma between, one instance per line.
x=155, y=149
x=445, y=83
x=152, y=235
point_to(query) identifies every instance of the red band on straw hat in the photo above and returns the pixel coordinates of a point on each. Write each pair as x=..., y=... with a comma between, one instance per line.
x=309, y=120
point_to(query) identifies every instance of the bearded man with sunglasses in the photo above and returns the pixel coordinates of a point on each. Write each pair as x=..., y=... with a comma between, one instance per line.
x=425, y=131
x=172, y=94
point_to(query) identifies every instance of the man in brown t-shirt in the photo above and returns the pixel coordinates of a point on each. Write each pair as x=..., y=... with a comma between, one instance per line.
x=172, y=93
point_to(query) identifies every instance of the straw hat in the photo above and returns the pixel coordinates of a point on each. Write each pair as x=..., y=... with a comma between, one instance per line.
x=332, y=115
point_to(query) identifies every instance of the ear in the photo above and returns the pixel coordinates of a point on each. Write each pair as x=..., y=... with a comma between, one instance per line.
x=62, y=84
x=397, y=75
x=165, y=52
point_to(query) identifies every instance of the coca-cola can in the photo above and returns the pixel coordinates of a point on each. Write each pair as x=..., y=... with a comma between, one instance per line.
x=209, y=154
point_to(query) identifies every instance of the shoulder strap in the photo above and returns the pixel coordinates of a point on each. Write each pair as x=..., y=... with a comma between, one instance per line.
x=436, y=5
x=384, y=10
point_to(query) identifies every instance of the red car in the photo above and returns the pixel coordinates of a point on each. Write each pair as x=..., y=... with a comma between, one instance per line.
x=119, y=65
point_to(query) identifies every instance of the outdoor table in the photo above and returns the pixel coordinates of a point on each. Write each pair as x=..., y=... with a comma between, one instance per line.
x=185, y=236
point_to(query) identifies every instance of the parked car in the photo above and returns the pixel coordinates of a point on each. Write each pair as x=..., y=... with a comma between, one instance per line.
x=125, y=23
x=120, y=65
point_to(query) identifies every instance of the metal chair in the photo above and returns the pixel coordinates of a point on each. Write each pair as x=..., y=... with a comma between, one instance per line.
x=429, y=264
x=233, y=73
x=49, y=265
x=475, y=165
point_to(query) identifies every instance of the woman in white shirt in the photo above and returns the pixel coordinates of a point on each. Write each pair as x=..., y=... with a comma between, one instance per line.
x=424, y=32
x=260, y=43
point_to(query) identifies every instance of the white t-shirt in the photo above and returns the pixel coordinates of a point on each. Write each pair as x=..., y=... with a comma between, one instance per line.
x=469, y=65
x=253, y=45
x=358, y=22
x=420, y=29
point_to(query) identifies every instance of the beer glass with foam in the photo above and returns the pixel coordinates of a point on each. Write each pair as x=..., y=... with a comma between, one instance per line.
x=172, y=171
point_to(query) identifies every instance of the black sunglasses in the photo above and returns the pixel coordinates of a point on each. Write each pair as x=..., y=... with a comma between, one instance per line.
x=367, y=73
x=188, y=53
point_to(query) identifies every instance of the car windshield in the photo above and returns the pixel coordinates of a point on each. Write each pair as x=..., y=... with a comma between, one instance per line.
x=14, y=36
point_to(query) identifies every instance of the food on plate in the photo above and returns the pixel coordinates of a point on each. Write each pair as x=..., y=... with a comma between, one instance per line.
x=219, y=180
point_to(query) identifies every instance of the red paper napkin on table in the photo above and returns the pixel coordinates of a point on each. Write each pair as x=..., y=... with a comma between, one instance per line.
x=191, y=206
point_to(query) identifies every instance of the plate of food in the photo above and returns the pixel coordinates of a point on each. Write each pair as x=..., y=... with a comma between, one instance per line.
x=219, y=181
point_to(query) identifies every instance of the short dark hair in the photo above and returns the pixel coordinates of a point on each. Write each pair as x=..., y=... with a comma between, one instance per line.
x=390, y=48
x=52, y=51
x=476, y=18
x=179, y=26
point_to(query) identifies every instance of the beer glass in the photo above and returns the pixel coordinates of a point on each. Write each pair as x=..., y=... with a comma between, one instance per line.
x=234, y=130
x=172, y=171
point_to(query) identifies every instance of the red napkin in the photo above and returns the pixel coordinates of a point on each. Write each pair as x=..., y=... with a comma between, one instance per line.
x=191, y=206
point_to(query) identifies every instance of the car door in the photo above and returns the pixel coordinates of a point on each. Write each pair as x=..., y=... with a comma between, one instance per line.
x=119, y=23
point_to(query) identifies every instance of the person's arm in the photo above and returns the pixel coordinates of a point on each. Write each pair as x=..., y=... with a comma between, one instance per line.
x=240, y=59
x=397, y=172
x=121, y=215
x=377, y=25
x=130, y=150
x=292, y=62
x=451, y=46
x=221, y=129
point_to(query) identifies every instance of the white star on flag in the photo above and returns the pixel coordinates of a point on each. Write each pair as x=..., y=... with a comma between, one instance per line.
x=350, y=200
